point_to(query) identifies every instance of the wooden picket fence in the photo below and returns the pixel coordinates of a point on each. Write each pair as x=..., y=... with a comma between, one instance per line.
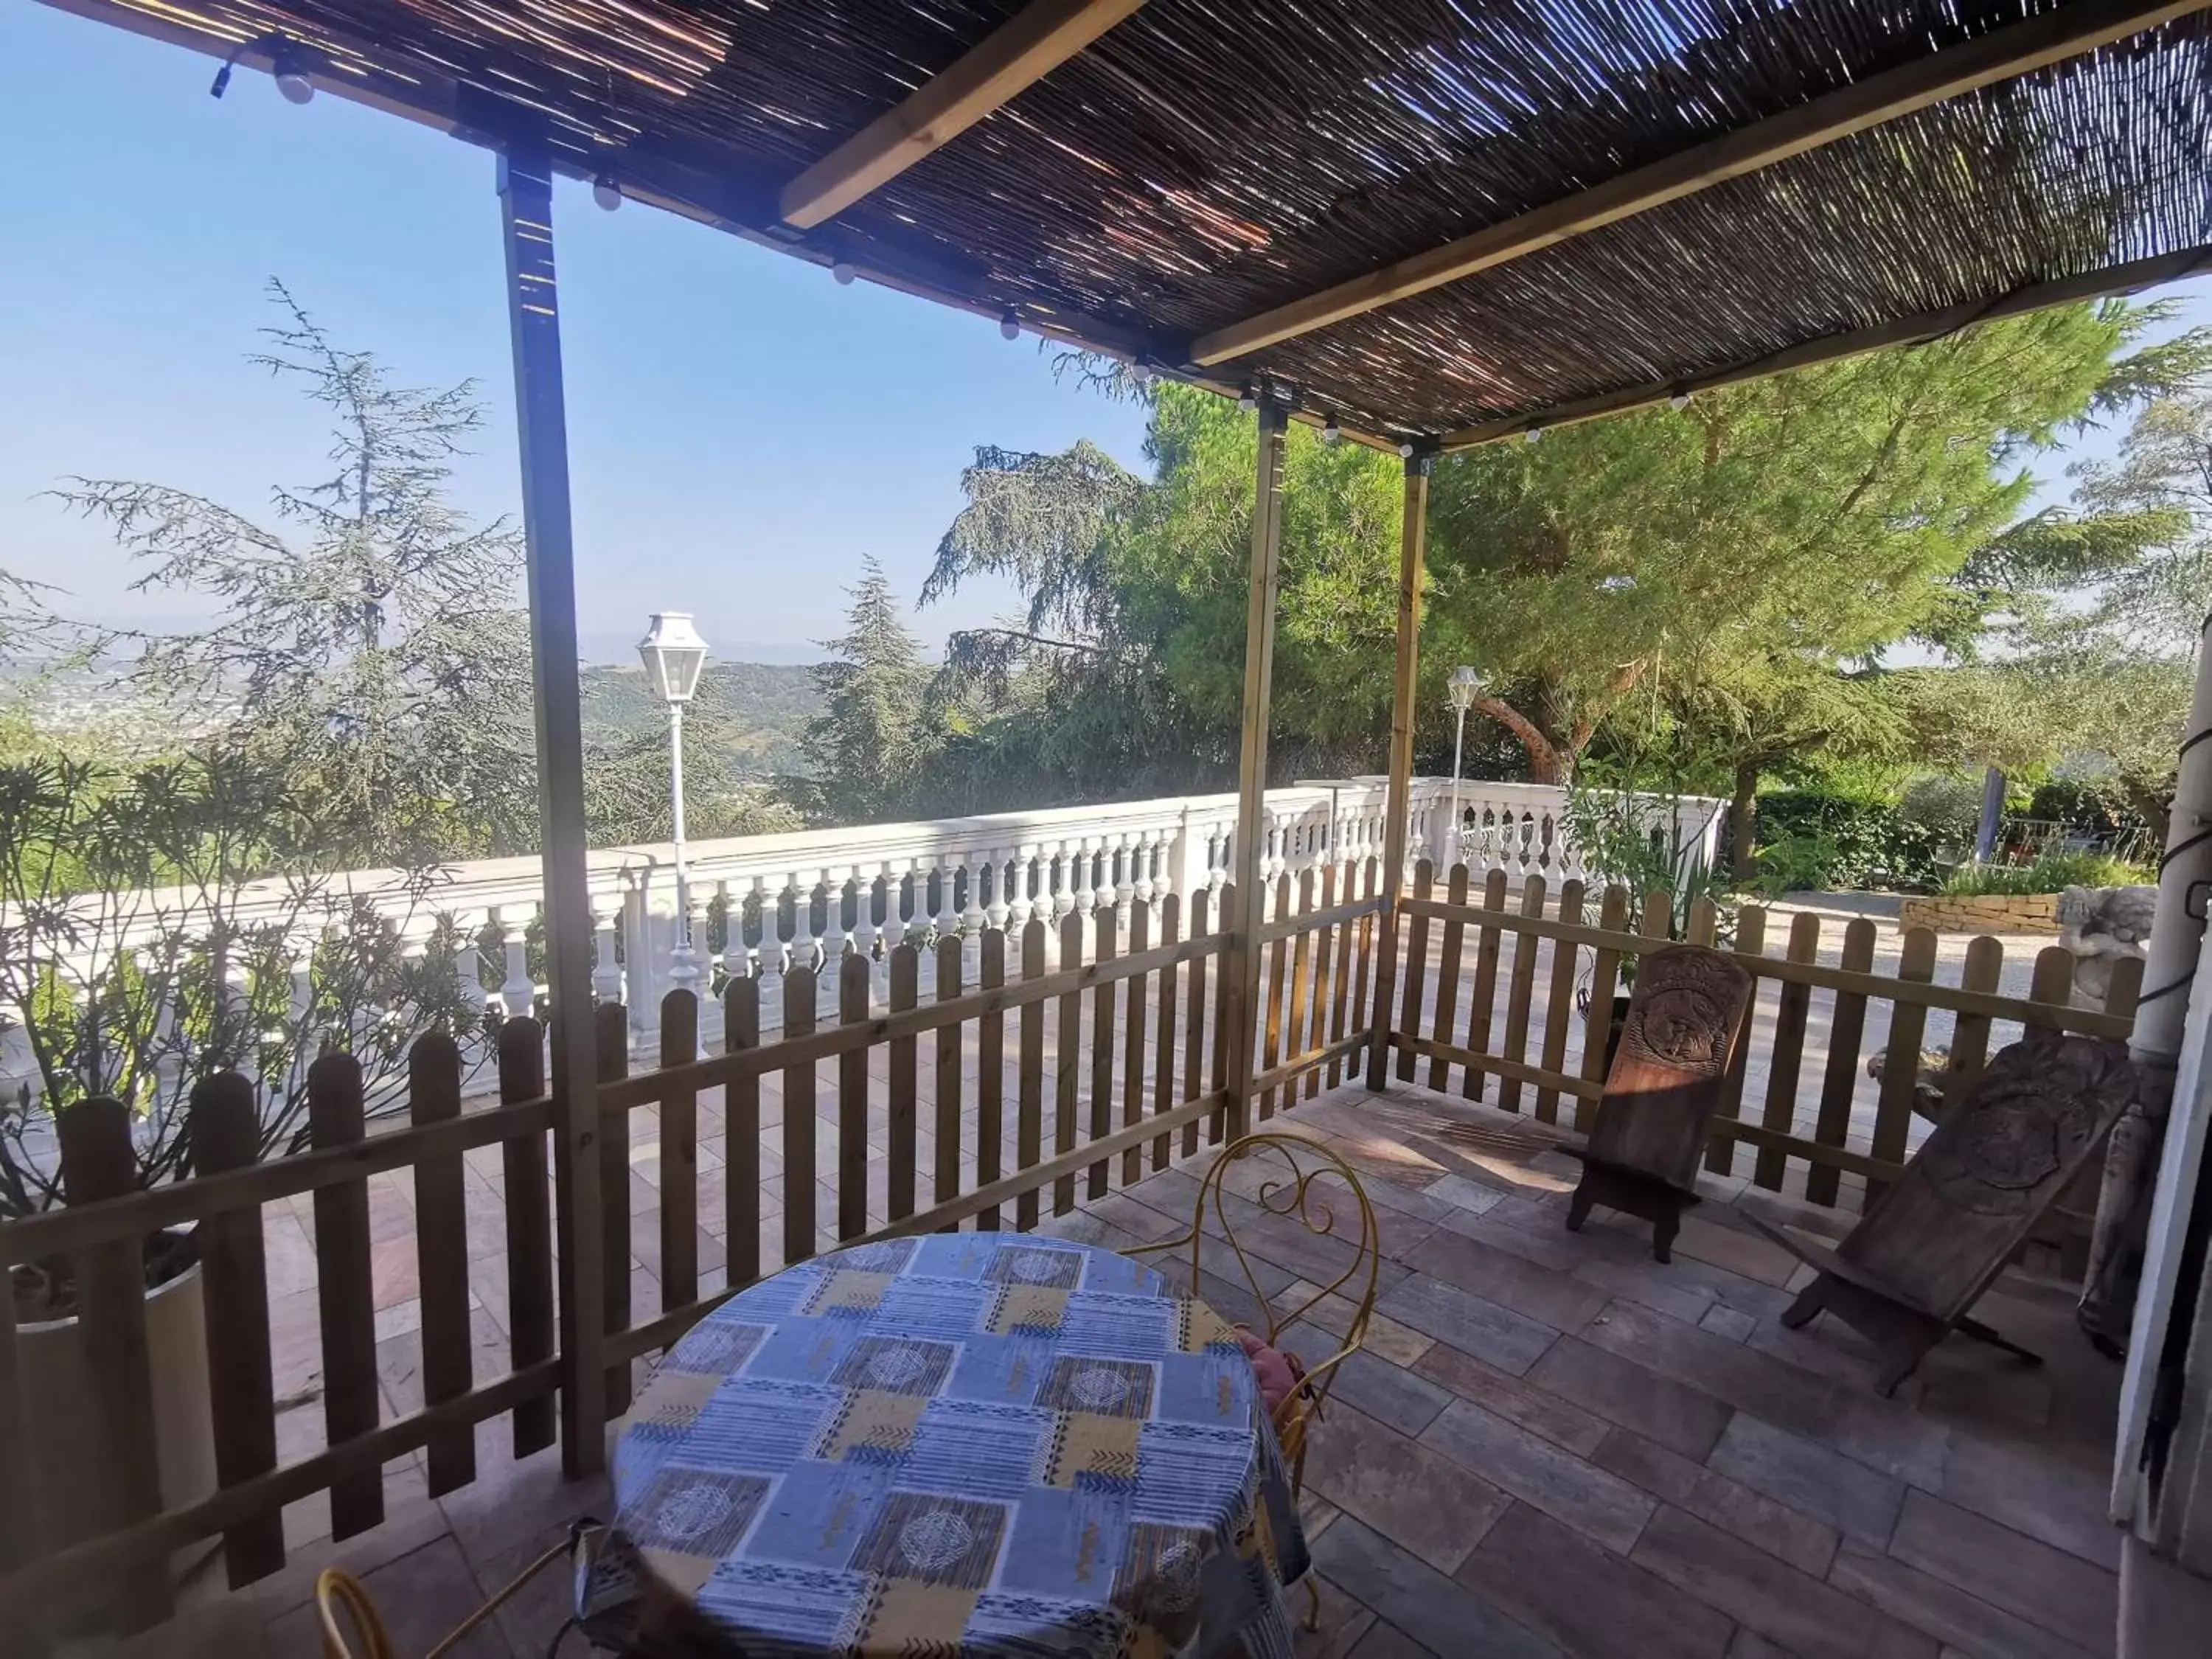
x=1488, y=1041
x=1137, y=1070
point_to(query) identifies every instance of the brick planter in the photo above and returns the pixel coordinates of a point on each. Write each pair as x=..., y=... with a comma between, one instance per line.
x=1994, y=913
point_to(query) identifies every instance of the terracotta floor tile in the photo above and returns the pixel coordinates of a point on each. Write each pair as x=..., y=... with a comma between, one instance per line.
x=1805, y=1544
x=1546, y=1476
x=1556, y=1299
x=1810, y=1478
x=2055, y=1590
x=1682, y=1418
x=1807, y=1617
x=1584, y=1598
x=2056, y=1502
x=1420, y=1603
x=1511, y=1341
x=1514, y=1399
x=1410, y=1492
x=1964, y=1622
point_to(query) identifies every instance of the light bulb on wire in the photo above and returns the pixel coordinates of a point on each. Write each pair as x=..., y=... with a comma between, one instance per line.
x=1009, y=326
x=1141, y=372
x=295, y=86
x=1534, y=432
x=843, y=271
x=1678, y=402
x=607, y=192
x=1330, y=431
x=1247, y=400
x=1406, y=452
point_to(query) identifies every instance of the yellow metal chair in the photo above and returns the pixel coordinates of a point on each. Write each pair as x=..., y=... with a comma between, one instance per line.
x=1296, y=1178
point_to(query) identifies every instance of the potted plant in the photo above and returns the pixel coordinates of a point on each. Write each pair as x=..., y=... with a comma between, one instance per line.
x=1632, y=839
x=155, y=927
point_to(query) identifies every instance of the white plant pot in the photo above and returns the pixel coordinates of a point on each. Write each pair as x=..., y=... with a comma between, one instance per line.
x=74, y=1466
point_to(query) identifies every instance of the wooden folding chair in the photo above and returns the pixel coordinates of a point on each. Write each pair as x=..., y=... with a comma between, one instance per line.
x=1685, y=1019
x=1929, y=1244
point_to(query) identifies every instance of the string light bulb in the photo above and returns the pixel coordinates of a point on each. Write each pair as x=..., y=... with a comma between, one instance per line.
x=1247, y=400
x=1406, y=452
x=1534, y=432
x=1141, y=372
x=606, y=192
x=1330, y=431
x=1678, y=402
x=1009, y=326
x=295, y=86
x=843, y=271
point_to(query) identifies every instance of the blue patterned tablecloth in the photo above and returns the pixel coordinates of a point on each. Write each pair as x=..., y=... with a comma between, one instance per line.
x=961, y=1444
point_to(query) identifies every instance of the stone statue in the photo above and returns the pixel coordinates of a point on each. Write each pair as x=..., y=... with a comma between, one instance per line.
x=2102, y=925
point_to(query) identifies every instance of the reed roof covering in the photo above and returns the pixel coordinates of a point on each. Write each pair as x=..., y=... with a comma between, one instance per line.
x=1202, y=161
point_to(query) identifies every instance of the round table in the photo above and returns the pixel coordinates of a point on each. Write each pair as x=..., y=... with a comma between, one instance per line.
x=972, y=1443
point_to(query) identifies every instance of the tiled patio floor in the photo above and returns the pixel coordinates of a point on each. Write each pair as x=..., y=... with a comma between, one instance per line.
x=1552, y=1446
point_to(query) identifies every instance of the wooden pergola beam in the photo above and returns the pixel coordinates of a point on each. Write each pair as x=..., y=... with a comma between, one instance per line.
x=1014, y=56
x=2000, y=55
x=2110, y=281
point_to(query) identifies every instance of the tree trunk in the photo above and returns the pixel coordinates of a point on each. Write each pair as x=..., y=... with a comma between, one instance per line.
x=1743, y=823
x=1546, y=763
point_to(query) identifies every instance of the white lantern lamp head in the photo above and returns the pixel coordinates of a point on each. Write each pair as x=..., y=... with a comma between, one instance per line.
x=673, y=655
x=1464, y=686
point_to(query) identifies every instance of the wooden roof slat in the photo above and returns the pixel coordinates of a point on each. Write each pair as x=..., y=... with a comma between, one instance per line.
x=1016, y=55
x=2107, y=281
x=2018, y=49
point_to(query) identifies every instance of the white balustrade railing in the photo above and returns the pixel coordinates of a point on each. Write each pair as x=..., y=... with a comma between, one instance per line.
x=762, y=904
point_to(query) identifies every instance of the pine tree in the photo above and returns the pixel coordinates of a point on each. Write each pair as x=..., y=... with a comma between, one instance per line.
x=871, y=744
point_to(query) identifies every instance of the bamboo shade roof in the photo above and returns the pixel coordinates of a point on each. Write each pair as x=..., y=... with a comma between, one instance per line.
x=1187, y=165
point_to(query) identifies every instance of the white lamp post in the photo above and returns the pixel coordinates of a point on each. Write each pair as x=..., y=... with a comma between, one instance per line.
x=1463, y=687
x=673, y=655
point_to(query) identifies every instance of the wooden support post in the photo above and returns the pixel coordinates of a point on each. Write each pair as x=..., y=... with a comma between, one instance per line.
x=1397, y=799
x=1241, y=964
x=526, y=199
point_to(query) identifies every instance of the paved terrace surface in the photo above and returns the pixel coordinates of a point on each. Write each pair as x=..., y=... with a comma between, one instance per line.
x=1551, y=1445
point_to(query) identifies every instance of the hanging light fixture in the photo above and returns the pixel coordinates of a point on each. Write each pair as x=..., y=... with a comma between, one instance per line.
x=1140, y=371
x=607, y=192
x=1009, y=326
x=291, y=65
x=843, y=271
x=1678, y=402
x=1247, y=400
x=1330, y=430
x=1534, y=432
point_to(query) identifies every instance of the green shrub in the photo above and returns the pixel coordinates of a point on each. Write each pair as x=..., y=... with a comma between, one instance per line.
x=2052, y=872
x=1947, y=806
x=2094, y=805
x=1810, y=840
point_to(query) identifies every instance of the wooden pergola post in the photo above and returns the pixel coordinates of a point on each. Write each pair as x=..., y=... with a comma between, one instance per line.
x=1249, y=907
x=1398, y=799
x=526, y=199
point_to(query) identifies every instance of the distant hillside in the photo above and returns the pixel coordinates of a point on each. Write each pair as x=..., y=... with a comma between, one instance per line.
x=763, y=707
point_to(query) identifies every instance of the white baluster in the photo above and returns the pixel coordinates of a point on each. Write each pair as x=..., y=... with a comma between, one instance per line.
x=1085, y=895
x=1147, y=852
x=606, y=968
x=1002, y=869
x=833, y=921
x=1218, y=847
x=468, y=974
x=973, y=916
x=732, y=960
x=948, y=906
x=802, y=953
x=1018, y=904
x=895, y=871
x=518, y=995
x=864, y=914
x=1122, y=852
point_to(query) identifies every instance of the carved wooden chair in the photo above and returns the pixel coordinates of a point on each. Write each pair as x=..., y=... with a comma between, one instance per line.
x=1685, y=1020
x=1932, y=1242
x=1284, y=1176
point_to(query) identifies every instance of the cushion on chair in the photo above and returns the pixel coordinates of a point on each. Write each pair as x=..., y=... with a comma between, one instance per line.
x=1280, y=1373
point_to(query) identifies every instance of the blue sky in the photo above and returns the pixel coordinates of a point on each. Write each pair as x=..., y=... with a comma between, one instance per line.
x=742, y=431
